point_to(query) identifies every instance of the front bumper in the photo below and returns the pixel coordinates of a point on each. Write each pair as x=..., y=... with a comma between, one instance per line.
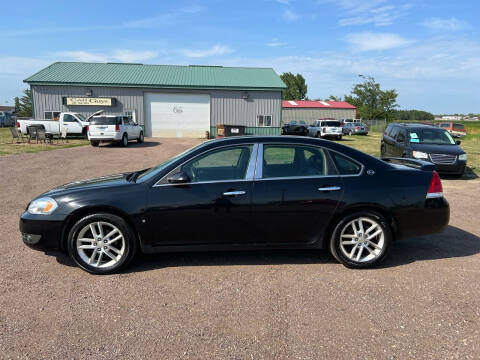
x=458, y=168
x=41, y=233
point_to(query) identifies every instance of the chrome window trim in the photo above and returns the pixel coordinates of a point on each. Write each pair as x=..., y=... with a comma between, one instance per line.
x=208, y=182
x=204, y=182
x=252, y=163
x=259, y=162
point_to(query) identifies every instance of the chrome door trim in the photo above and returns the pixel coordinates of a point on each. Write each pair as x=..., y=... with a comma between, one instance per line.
x=330, y=188
x=259, y=163
x=234, y=193
x=252, y=163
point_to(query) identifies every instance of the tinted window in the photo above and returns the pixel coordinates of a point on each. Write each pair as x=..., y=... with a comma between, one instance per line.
x=344, y=165
x=431, y=136
x=333, y=123
x=292, y=122
x=458, y=126
x=388, y=130
x=223, y=164
x=394, y=132
x=104, y=120
x=291, y=160
x=401, y=137
x=68, y=118
x=444, y=125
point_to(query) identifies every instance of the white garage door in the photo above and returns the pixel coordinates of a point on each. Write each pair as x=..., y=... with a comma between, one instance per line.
x=177, y=115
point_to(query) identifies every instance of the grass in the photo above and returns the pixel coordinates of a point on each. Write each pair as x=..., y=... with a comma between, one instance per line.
x=371, y=145
x=7, y=148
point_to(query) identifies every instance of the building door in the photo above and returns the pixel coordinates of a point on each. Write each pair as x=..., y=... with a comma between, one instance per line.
x=177, y=115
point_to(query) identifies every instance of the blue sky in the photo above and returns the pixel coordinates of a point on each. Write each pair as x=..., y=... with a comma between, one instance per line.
x=428, y=50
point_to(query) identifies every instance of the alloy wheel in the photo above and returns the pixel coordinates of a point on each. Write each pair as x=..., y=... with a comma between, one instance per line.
x=362, y=240
x=100, y=244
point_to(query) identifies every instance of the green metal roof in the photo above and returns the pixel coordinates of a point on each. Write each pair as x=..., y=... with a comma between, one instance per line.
x=157, y=76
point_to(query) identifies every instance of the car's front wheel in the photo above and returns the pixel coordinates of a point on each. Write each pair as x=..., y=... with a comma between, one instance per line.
x=102, y=243
x=140, y=138
x=361, y=240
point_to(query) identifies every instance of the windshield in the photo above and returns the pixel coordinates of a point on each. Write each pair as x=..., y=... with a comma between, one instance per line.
x=302, y=122
x=81, y=117
x=292, y=123
x=431, y=136
x=104, y=120
x=333, y=123
x=154, y=170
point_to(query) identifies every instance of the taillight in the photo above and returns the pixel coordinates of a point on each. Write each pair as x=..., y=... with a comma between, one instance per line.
x=435, y=190
x=324, y=129
x=117, y=127
x=357, y=128
x=18, y=124
x=88, y=127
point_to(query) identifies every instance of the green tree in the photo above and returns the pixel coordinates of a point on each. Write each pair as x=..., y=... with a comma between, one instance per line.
x=296, y=87
x=413, y=115
x=371, y=101
x=334, y=98
x=17, y=105
x=25, y=105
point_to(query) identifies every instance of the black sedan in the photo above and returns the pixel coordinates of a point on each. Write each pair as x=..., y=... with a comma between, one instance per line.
x=295, y=127
x=243, y=193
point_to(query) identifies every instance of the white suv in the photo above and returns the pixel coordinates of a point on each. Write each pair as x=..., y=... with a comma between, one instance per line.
x=108, y=128
x=326, y=128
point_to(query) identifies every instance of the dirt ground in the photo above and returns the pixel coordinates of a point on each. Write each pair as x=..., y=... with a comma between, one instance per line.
x=423, y=303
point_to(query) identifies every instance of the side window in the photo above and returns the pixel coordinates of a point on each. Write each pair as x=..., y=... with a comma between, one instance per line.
x=401, y=136
x=394, y=132
x=445, y=125
x=125, y=120
x=224, y=164
x=293, y=161
x=344, y=165
x=68, y=118
x=388, y=130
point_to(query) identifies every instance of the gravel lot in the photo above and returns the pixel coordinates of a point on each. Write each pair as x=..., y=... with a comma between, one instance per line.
x=423, y=303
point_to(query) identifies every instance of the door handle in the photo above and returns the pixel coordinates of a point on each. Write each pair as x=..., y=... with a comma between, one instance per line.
x=234, y=193
x=329, y=188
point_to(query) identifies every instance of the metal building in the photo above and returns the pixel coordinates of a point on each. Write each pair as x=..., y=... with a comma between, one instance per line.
x=310, y=111
x=168, y=100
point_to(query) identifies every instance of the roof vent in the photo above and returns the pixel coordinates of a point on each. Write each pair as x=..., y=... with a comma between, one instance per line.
x=292, y=102
x=324, y=103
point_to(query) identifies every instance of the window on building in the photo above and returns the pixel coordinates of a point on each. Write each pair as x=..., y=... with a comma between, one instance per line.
x=264, y=120
x=52, y=115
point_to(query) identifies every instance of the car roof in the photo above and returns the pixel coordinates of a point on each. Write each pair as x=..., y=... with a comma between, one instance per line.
x=414, y=125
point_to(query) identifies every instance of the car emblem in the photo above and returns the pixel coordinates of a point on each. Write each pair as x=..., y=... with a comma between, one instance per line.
x=370, y=172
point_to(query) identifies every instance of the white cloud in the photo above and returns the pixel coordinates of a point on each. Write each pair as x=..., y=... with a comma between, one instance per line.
x=367, y=41
x=217, y=49
x=376, y=12
x=119, y=55
x=275, y=43
x=285, y=2
x=290, y=16
x=167, y=18
x=451, y=24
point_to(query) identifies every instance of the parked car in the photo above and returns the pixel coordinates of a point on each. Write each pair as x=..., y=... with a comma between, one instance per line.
x=424, y=142
x=6, y=119
x=111, y=128
x=455, y=129
x=326, y=129
x=295, y=127
x=352, y=128
x=245, y=192
x=75, y=123
x=346, y=121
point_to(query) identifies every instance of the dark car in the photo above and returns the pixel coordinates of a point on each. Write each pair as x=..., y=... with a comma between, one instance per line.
x=424, y=142
x=295, y=127
x=242, y=193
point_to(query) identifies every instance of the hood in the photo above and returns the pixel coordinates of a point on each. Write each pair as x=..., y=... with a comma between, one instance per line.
x=437, y=149
x=94, y=114
x=104, y=181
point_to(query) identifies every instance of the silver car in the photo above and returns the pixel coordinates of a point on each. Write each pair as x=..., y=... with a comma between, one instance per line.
x=355, y=128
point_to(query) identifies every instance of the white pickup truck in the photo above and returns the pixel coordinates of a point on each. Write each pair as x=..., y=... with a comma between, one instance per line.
x=75, y=123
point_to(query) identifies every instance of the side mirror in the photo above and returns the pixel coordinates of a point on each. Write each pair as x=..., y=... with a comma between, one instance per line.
x=178, y=178
x=458, y=142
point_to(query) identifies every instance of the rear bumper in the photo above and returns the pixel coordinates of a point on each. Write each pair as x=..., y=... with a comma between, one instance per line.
x=432, y=218
x=40, y=233
x=106, y=137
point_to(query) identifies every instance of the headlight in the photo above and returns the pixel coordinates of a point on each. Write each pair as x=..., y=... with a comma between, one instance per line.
x=462, y=157
x=42, y=206
x=420, y=155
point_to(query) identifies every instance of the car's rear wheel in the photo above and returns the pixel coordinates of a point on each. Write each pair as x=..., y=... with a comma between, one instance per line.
x=124, y=140
x=361, y=240
x=140, y=138
x=101, y=243
x=94, y=143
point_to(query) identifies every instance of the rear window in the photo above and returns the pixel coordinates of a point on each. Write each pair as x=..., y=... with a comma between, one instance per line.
x=458, y=126
x=333, y=123
x=104, y=120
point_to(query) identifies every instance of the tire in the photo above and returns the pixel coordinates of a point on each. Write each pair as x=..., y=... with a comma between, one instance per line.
x=317, y=135
x=140, y=138
x=84, y=133
x=382, y=151
x=339, y=138
x=96, y=260
x=94, y=143
x=350, y=133
x=359, y=252
x=124, y=141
